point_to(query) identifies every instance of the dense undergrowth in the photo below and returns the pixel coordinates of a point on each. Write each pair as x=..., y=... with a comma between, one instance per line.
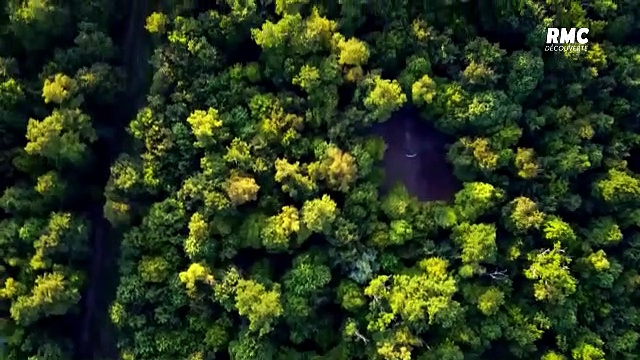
x=247, y=194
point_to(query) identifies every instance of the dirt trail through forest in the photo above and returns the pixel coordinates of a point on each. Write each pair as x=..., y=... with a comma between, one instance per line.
x=416, y=156
x=98, y=339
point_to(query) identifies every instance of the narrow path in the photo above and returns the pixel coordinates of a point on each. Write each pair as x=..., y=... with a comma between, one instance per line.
x=98, y=340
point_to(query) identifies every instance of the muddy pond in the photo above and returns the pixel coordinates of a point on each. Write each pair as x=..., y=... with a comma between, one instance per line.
x=416, y=156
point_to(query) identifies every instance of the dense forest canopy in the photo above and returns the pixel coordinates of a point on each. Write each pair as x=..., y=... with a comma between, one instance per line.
x=206, y=180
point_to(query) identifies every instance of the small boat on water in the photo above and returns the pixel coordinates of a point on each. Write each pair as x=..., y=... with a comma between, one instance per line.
x=409, y=148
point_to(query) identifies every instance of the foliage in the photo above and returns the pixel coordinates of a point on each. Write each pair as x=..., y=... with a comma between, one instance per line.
x=246, y=192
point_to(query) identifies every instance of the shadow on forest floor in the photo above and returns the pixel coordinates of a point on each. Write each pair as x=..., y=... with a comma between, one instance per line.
x=416, y=156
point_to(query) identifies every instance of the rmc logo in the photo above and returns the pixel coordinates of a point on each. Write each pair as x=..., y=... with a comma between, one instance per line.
x=566, y=36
